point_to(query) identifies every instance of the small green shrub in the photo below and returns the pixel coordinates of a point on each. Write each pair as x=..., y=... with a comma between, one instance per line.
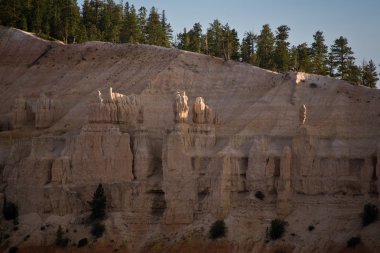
x=97, y=230
x=82, y=242
x=10, y=211
x=353, y=242
x=64, y=243
x=13, y=249
x=45, y=36
x=260, y=195
x=58, y=236
x=26, y=238
x=59, y=240
x=277, y=229
x=370, y=214
x=313, y=85
x=218, y=229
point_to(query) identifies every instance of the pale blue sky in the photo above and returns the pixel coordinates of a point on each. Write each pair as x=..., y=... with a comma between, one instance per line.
x=357, y=20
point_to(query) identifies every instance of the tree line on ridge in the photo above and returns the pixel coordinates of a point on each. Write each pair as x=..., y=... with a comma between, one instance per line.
x=105, y=20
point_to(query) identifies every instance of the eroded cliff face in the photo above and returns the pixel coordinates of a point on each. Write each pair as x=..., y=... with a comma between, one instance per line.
x=179, y=140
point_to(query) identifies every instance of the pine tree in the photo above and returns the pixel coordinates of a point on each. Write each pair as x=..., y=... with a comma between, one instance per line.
x=183, y=40
x=9, y=12
x=304, y=59
x=281, y=56
x=154, y=31
x=59, y=236
x=342, y=57
x=215, y=39
x=331, y=65
x=195, y=38
x=135, y=32
x=142, y=21
x=369, y=76
x=91, y=15
x=81, y=33
x=354, y=73
x=294, y=65
x=69, y=21
x=230, y=43
x=130, y=31
x=98, y=203
x=319, y=56
x=36, y=16
x=265, y=43
x=204, y=44
x=168, y=32
x=110, y=21
x=248, y=47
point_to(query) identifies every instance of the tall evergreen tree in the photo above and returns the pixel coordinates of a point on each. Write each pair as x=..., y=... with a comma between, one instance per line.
x=191, y=40
x=230, y=43
x=98, y=203
x=248, y=47
x=168, y=32
x=154, y=30
x=304, y=59
x=265, y=42
x=195, y=38
x=369, y=76
x=69, y=21
x=293, y=58
x=183, y=40
x=215, y=39
x=281, y=57
x=91, y=15
x=142, y=20
x=110, y=21
x=130, y=30
x=124, y=38
x=10, y=12
x=331, y=65
x=354, y=73
x=204, y=44
x=319, y=56
x=342, y=57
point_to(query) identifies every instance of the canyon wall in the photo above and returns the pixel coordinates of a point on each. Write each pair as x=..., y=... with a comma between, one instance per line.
x=179, y=140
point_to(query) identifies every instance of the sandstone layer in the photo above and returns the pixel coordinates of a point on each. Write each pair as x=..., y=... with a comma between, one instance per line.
x=179, y=140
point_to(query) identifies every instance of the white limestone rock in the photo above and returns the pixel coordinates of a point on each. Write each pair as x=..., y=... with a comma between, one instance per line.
x=202, y=113
x=180, y=107
x=20, y=112
x=284, y=189
x=116, y=108
x=302, y=115
x=100, y=153
x=178, y=181
x=45, y=111
x=143, y=160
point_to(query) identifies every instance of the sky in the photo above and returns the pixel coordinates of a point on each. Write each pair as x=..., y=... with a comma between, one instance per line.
x=357, y=20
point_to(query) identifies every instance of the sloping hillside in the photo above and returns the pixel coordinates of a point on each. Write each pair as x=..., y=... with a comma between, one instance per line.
x=309, y=143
